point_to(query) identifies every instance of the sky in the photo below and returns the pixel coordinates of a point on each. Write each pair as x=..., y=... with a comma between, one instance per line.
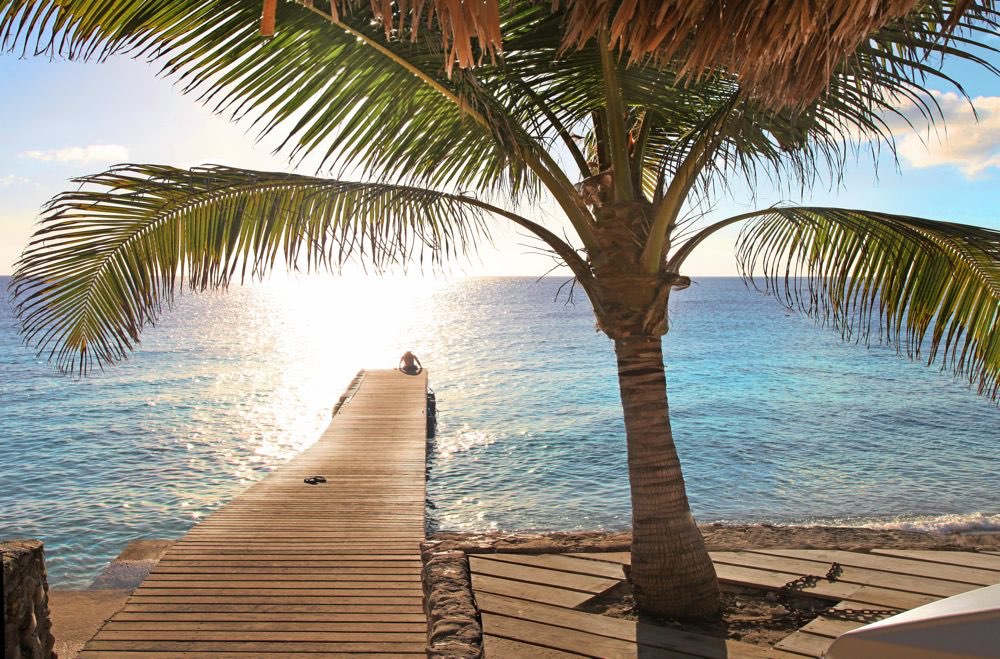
x=63, y=119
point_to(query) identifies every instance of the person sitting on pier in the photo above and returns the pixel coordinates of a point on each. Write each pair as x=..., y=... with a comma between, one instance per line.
x=409, y=364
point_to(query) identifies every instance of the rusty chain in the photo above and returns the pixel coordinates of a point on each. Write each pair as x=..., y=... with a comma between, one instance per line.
x=809, y=581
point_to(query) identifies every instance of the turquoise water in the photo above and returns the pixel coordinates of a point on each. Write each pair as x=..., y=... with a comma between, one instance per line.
x=776, y=419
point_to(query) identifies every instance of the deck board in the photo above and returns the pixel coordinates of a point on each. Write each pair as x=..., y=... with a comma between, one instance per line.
x=984, y=560
x=289, y=568
x=625, y=630
x=849, y=573
x=564, y=563
x=970, y=575
x=527, y=613
x=540, y=575
x=482, y=583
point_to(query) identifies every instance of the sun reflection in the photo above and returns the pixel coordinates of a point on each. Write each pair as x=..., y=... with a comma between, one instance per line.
x=321, y=331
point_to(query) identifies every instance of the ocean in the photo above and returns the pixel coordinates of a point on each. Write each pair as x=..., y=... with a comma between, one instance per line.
x=777, y=420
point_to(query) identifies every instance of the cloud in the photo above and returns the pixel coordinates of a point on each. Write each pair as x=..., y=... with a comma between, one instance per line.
x=961, y=141
x=11, y=181
x=104, y=153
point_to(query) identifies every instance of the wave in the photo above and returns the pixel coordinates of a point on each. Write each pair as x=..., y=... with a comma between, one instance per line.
x=976, y=522
x=968, y=523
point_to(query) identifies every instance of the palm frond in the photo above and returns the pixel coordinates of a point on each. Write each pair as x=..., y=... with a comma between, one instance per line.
x=337, y=97
x=326, y=92
x=932, y=288
x=109, y=255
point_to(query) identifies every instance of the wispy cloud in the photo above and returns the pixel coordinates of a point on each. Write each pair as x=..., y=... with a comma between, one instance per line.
x=104, y=153
x=11, y=181
x=970, y=145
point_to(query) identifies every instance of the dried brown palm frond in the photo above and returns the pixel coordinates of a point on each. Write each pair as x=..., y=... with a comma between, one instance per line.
x=784, y=51
x=459, y=21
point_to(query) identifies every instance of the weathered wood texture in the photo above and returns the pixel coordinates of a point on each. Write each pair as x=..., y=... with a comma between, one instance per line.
x=289, y=568
x=529, y=602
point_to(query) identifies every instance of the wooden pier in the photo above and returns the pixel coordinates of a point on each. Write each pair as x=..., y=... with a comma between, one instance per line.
x=333, y=569
x=289, y=568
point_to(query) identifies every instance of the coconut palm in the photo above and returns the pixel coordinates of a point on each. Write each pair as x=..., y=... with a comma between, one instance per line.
x=631, y=132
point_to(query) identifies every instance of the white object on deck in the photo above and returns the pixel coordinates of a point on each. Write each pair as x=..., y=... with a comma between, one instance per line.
x=966, y=625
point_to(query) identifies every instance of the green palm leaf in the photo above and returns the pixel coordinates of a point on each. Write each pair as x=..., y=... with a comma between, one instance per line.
x=107, y=256
x=932, y=288
x=336, y=97
x=328, y=93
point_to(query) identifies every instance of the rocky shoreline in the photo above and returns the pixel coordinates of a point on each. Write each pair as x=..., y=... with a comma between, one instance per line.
x=722, y=537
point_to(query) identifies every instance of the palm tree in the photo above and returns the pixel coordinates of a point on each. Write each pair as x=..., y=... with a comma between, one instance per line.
x=629, y=136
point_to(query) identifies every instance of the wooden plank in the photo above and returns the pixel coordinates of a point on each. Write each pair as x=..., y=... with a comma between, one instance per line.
x=804, y=643
x=565, y=640
x=185, y=616
x=379, y=607
x=306, y=553
x=849, y=573
x=567, y=580
x=263, y=586
x=626, y=630
x=289, y=569
x=831, y=627
x=159, y=579
x=279, y=559
x=230, y=598
x=883, y=598
x=357, y=626
x=981, y=560
x=872, y=596
x=563, y=563
x=775, y=653
x=269, y=648
x=531, y=592
x=852, y=604
x=192, y=590
x=106, y=654
x=495, y=647
x=620, y=557
x=893, y=564
x=771, y=579
x=304, y=636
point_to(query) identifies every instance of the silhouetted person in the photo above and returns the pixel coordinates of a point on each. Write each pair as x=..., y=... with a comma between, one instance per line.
x=409, y=364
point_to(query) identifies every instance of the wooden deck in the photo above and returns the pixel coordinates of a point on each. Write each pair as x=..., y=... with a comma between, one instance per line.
x=288, y=568
x=528, y=602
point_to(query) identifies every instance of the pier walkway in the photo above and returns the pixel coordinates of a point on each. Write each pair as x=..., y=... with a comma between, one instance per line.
x=291, y=568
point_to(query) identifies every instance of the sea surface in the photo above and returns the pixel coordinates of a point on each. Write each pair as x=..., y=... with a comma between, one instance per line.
x=776, y=419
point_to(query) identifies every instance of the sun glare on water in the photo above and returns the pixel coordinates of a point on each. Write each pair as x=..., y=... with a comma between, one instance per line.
x=310, y=335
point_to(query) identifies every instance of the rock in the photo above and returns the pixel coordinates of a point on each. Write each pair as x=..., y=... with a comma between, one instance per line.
x=453, y=626
x=27, y=626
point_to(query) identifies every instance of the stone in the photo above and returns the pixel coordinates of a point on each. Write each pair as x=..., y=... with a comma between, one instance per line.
x=27, y=625
x=453, y=626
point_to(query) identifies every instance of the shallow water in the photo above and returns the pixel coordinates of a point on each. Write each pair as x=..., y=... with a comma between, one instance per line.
x=776, y=420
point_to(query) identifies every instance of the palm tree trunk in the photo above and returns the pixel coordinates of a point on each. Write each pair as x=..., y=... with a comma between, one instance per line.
x=672, y=574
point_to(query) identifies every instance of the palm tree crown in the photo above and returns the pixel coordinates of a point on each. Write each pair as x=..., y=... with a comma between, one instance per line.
x=623, y=132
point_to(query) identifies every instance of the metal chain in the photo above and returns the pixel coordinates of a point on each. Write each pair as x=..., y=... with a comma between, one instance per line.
x=809, y=581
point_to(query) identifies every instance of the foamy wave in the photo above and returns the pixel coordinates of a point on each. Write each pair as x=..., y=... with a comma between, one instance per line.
x=970, y=523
